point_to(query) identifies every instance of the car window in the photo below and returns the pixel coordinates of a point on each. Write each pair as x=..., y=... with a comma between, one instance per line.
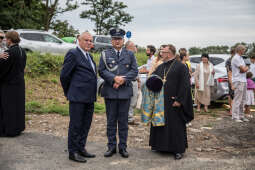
x=103, y=40
x=32, y=36
x=213, y=60
x=106, y=40
x=49, y=38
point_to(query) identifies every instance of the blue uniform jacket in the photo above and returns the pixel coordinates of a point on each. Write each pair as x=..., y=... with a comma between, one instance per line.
x=126, y=67
x=78, y=78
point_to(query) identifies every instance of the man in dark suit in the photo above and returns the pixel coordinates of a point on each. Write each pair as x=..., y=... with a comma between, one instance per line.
x=118, y=68
x=79, y=81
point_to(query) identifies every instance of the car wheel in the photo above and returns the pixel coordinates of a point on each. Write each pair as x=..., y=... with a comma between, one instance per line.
x=27, y=50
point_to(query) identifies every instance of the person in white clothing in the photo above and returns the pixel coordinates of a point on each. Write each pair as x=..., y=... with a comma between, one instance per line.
x=239, y=81
x=150, y=51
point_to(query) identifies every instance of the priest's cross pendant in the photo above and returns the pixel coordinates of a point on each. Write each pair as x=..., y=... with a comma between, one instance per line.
x=164, y=80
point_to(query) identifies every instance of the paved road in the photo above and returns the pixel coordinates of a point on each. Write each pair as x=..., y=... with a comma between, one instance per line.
x=32, y=151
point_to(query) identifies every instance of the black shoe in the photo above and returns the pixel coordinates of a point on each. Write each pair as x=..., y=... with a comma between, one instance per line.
x=178, y=156
x=132, y=123
x=77, y=157
x=110, y=152
x=123, y=153
x=84, y=153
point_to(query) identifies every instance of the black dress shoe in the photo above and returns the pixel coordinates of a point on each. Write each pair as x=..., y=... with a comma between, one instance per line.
x=123, y=153
x=77, y=157
x=178, y=156
x=110, y=152
x=86, y=154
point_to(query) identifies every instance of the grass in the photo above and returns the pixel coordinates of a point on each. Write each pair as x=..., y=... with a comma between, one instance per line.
x=44, y=93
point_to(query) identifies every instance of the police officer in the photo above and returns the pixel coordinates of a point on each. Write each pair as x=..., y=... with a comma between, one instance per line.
x=118, y=68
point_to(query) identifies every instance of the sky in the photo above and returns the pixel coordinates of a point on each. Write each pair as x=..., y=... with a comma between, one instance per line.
x=183, y=23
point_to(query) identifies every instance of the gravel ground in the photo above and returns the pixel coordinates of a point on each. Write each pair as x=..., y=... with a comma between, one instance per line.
x=209, y=136
x=34, y=151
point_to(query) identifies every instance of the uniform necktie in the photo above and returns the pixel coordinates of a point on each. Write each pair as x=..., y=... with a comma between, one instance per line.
x=118, y=54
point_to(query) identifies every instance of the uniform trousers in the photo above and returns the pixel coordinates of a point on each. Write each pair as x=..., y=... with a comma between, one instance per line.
x=117, y=116
x=80, y=120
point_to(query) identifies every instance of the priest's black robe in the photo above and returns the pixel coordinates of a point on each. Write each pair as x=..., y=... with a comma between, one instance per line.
x=12, y=92
x=173, y=136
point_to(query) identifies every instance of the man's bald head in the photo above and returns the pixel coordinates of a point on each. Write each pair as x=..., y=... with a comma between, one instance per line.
x=131, y=46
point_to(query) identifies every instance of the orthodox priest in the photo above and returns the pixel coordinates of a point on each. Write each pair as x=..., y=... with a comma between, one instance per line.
x=178, y=108
x=12, y=88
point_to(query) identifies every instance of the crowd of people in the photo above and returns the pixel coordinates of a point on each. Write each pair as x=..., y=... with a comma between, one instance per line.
x=166, y=100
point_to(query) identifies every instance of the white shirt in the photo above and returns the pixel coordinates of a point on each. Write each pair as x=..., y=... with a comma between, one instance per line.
x=236, y=62
x=149, y=62
x=86, y=54
x=252, y=69
x=117, y=50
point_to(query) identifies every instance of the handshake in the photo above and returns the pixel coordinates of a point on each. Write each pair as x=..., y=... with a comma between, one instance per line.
x=118, y=81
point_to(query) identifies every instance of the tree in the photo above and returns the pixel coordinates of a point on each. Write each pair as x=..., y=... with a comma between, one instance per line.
x=194, y=50
x=52, y=9
x=106, y=14
x=63, y=29
x=33, y=14
x=21, y=14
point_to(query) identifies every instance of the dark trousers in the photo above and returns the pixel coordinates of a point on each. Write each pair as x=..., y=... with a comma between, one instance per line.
x=117, y=115
x=80, y=120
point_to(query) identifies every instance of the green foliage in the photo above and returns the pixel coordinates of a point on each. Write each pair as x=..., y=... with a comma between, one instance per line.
x=51, y=8
x=141, y=58
x=99, y=108
x=39, y=64
x=42, y=64
x=33, y=106
x=63, y=29
x=36, y=107
x=59, y=109
x=210, y=50
x=32, y=14
x=21, y=14
x=106, y=14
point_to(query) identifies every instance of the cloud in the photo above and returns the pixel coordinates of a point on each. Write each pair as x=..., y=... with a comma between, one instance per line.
x=184, y=23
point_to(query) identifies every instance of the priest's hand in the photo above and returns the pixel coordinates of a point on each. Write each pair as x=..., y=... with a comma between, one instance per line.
x=4, y=55
x=176, y=104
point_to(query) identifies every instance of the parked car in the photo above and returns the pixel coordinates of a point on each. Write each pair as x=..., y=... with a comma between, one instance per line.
x=43, y=42
x=220, y=88
x=101, y=42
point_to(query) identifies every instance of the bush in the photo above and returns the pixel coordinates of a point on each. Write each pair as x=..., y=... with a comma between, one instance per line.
x=40, y=64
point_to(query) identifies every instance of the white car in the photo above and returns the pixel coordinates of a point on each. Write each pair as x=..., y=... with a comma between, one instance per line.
x=43, y=42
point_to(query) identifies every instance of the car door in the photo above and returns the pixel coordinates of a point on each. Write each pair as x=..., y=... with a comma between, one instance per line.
x=54, y=45
x=33, y=42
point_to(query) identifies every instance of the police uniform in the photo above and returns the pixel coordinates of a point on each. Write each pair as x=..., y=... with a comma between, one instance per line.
x=117, y=101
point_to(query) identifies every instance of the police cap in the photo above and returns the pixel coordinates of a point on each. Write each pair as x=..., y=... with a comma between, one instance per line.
x=117, y=33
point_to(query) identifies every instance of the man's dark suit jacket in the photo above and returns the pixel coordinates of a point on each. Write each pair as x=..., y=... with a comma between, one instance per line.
x=78, y=78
